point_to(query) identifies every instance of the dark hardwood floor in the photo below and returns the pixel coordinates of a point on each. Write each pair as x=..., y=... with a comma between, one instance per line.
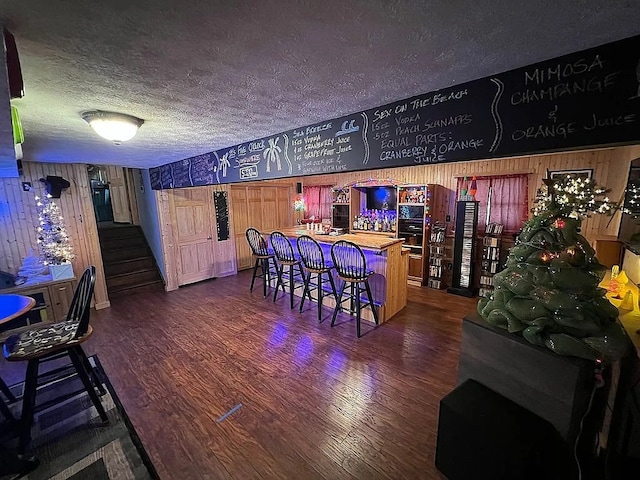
x=317, y=403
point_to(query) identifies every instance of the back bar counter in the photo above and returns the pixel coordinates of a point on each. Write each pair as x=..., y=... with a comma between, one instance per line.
x=385, y=257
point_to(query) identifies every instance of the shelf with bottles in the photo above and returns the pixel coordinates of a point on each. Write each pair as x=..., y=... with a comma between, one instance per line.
x=437, y=255
x=375, y=221
x=412, y=194
x=490, y=262
x=341, y=195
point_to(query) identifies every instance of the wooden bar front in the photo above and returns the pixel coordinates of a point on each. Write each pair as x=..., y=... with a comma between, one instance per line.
x=385, y=257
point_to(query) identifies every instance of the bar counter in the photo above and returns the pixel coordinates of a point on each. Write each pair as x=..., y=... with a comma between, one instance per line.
x=384, y=255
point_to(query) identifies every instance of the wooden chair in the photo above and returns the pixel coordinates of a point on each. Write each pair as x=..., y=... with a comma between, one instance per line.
x=351, y=266
x=286, y=257
x=4, y=409
x=52, y=341
x=315, y=264
x=263, y=255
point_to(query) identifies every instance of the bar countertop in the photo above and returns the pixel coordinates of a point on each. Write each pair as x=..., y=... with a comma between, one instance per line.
x=364, y=240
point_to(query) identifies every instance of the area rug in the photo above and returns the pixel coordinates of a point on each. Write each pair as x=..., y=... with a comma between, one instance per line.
x=71, y=442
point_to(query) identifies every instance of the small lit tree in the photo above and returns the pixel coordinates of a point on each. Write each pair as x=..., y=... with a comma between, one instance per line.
x=53, y=239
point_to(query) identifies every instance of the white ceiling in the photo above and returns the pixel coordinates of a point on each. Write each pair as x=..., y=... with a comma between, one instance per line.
x=210, y=74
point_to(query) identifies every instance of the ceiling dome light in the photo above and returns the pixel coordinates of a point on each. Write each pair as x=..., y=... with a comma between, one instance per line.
x=116, y=127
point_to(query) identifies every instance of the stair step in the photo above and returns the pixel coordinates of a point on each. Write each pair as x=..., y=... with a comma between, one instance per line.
x=156, y=286
x=128, y=262
x=135, y=278
x=114, y=256
x=119, y=232
x=130, y=265
x=123, y=242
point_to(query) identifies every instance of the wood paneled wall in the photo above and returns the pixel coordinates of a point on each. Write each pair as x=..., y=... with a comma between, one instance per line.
x=19, y=218
x=610, y=169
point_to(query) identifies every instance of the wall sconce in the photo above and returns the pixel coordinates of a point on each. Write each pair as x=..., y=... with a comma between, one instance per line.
x=117, y=127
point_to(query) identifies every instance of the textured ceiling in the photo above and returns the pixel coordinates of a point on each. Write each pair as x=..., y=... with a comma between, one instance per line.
x=210, y=74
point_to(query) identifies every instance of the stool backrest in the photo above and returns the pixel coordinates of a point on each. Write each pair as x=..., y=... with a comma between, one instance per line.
x=311, y=253
x=80, y=308
x=349, y=260
x=282, y=247
x=257, y=242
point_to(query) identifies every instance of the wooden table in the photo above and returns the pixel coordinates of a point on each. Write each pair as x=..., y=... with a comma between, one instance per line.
x=12, y=306
x=384, y=256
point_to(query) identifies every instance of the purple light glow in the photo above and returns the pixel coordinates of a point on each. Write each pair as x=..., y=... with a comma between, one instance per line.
x=336, y=361
x=278, y=336
x=304, y=349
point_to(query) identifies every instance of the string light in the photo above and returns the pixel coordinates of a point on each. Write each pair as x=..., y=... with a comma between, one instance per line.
x=371, y=182
x=572, y=197
x=632, y=199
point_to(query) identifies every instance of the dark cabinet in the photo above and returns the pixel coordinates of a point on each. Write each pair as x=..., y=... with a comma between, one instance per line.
x=340, y=216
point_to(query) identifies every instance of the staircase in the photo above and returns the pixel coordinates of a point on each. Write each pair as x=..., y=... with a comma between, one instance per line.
x=129, y=266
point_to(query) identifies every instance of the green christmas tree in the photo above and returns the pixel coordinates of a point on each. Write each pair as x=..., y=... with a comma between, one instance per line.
x=52, y=237
x=548, y=292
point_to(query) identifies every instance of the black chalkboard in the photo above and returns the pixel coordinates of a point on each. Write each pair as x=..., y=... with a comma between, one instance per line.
x=586, y=99
x=166, y=176
x=222, y=215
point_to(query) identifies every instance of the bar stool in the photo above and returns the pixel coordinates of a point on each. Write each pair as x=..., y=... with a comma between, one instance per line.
x=314, y=263
x=286, y=258
x=263, y=256
x=351, y=265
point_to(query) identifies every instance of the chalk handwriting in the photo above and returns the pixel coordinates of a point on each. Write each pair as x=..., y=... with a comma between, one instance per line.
x=559, y=72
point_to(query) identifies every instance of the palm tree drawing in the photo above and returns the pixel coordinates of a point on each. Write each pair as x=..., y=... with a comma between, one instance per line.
x=272, y=154
x=224, y=163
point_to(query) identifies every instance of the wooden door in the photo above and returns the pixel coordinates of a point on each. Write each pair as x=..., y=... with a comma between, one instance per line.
x=193, y=225
x=131, y=191
x=266, y=208
x=119, y=194
x=284, y=206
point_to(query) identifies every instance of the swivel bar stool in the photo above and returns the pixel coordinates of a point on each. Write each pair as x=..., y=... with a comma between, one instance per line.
x=263, y=255
x=286, y=258
x=315, y=264
x=351, y=265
